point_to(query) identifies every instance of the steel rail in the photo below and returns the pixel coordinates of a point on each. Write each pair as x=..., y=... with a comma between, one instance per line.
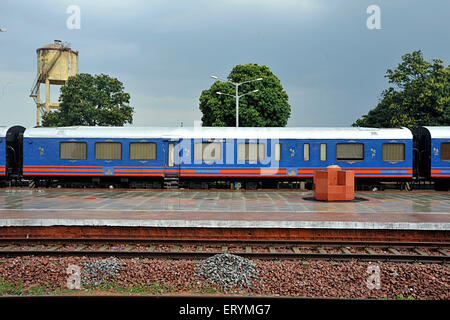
x=195, y=255
x=230, y=242
x=56, y=248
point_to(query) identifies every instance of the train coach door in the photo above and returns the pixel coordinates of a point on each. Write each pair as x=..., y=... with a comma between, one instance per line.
x=171, y=155
x=172, y=160
x=14, y=151
x=172, y=168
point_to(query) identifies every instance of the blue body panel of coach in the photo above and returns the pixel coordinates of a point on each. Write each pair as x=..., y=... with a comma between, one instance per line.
x=2, y=156
x=42, y=158
x=440, y=164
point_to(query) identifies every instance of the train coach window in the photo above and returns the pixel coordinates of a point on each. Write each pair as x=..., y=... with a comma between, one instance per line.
x=349, y=151
x=445, y=151
x=393, y=152
x=306, y=152
x=323, y=152
x=142, y=151
x=73, y=150
x=251, y=152
x=277, y=152
x=108, y=151
x=207, y=151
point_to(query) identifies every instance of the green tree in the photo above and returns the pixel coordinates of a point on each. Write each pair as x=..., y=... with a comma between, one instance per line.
x=89, y=100
x=268, y=107
x=420, y=95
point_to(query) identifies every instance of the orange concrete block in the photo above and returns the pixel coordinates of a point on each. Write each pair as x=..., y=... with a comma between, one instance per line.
x=334, y=184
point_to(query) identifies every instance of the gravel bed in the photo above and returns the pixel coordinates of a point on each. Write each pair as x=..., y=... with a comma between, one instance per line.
x=307, y=250
x=377, y=250
x=189, y=248
x=236, y=249
x=348, y=280
x=285, y=278
x=259, y=249
x=70, y=247
x=352, y=249
x=405, y=250
x=227, y=271
x=163, y=248
x=212, y=248
x=100, y=272
x=141, y=247
x=430, y=252
x=332, y=250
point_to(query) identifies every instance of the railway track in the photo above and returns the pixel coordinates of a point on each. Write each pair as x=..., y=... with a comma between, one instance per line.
x=201, y=249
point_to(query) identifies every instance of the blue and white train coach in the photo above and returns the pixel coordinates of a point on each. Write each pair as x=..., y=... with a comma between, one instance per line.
x=146, y=157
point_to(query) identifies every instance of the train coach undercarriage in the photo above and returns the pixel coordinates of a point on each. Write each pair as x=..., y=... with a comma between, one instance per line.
x=175, y=182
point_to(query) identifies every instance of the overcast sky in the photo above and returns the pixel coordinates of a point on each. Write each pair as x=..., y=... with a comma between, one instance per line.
x=330, y=63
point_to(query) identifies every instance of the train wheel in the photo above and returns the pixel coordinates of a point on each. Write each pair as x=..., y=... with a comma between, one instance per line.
x=251, y=185
x=157, y=185
x=408, y=186
x=441, y=186
x=204, y=185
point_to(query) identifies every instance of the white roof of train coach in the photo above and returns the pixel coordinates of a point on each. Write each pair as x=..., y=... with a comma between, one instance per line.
x=439, y=132
x=219, y=133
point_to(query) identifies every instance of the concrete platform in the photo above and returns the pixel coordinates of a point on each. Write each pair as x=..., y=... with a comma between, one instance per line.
x=427, y=211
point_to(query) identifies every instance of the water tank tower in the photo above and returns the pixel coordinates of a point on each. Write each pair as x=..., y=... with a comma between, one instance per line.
x=56, y=62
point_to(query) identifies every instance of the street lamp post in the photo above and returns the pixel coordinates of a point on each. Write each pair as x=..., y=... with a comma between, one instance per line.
x=237, y=96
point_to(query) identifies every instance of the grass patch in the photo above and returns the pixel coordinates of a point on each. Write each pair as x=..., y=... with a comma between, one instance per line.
x=208, y=289
x=400, y=297
x=10, y=289
x=18, y=289
x=120, y=288
x=155, y=288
